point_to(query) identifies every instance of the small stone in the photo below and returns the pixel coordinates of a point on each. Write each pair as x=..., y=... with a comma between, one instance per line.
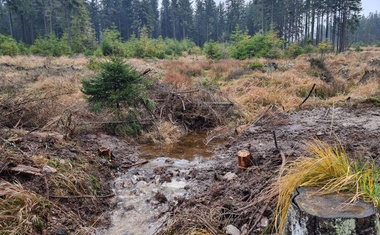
x=232, y=230
x=129, y=207
x=229, y=176
x=244, y=229
x=319, y=133
x=264, y=222
x=48, y=169
x=141, y=184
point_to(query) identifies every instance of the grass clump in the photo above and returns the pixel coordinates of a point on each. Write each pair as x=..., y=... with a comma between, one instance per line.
x=329, y=169
x=20, y=209
x=375, y=101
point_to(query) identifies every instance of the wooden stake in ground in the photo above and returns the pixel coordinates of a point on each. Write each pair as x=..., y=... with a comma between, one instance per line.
x=244, y=159
x=333, y=214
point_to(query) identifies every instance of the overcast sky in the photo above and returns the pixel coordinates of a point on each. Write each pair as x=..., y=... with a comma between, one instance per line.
x=370, y=6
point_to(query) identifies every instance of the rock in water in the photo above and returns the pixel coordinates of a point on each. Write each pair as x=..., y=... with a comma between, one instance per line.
x=332, y=214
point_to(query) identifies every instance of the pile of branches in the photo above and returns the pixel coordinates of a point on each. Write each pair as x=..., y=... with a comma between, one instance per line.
x=194, y=109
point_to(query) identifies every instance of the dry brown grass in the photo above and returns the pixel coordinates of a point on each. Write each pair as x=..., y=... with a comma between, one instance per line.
x=24, y=61
x=38, y=91
x=371, y=49
x=185, y=67
x=250, y=90
x=177, y=80
x=285, y=87
x=223, y=66
x=76, y=61
x=164, y=132
x=21, y=211
x=288, y=88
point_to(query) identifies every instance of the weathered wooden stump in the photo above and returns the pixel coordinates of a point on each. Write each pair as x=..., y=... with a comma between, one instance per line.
x=331, y=214
x=244, y=159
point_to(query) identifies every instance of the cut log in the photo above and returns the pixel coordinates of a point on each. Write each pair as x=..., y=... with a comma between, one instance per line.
x=332, y=214
x=244, y=159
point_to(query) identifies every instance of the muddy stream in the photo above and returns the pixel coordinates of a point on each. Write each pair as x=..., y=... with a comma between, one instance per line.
x=145, y=195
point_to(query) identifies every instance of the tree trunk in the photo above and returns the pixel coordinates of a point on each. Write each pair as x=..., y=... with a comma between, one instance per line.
x=10, y=23
x=332, y=214
x=312, y=24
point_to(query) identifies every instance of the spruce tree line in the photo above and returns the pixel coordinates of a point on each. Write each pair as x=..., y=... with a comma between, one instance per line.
x=83, y=22
x=368, y=32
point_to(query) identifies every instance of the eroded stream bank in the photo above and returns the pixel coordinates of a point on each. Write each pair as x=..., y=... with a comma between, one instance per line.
x=165, y=193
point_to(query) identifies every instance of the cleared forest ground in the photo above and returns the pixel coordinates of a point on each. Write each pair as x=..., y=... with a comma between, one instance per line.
x=45, y=121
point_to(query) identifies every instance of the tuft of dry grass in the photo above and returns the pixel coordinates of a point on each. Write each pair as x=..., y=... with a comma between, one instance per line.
x=21, y=210
x=195, y=221
x=329, y=169
x=177, y=80
x=164, y=132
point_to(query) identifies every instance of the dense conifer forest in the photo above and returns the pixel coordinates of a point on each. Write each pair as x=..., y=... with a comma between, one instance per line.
x=80, y=26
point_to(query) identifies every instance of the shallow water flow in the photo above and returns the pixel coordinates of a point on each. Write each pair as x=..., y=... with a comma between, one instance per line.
x=145, y=194
x=189, y=147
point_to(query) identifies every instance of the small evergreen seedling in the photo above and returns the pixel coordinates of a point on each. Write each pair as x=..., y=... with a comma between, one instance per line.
x=120, y=87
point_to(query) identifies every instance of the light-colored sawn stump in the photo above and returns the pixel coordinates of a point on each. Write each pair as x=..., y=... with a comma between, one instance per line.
x=331, y=214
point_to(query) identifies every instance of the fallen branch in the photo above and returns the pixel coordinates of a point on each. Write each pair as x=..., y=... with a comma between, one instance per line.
x=82, y=196
x=114, y=122
x=259, y=217
x=135, y=164
x=262, y=115
x=307, y=97
x=184, y=92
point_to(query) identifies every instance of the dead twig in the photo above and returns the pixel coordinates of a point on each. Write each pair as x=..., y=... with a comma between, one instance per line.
x=263, y=114
x=184, y=92
x=275, y=140
x=307, y=97
x=135, y=164
x=259, y=218
x=82, y=196
x=205, y=222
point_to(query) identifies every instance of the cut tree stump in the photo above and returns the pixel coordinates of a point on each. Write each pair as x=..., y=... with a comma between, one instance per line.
x=244, y=159
x=332, y=214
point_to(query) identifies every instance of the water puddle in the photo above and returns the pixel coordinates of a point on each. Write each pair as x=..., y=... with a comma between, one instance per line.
x=190, y=147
